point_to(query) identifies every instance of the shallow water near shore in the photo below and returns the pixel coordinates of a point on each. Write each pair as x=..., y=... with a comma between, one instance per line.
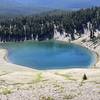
x=49, y=55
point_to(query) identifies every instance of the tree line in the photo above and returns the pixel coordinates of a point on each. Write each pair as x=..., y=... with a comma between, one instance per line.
x=41, y=26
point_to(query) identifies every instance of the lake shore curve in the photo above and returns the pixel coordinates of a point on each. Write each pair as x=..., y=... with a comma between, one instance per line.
x=20, y=79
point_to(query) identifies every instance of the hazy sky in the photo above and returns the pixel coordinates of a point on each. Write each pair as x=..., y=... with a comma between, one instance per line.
x=61, y=3
x=51, y=3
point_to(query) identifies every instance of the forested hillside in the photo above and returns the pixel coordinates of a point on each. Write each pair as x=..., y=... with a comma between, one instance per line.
x=41, y=26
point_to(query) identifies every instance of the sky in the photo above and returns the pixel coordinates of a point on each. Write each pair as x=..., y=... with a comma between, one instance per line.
x=60, y=4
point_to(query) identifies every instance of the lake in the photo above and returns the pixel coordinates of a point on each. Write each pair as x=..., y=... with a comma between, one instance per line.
x=49, y=55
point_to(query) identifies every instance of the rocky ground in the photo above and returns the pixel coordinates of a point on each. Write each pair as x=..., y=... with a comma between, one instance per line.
x=50, y=85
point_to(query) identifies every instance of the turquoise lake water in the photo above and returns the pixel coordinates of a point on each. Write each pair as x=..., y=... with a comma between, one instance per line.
x=49, y=55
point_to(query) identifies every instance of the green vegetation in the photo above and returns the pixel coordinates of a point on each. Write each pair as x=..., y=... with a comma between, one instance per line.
x=5, y=91
x=69, y=97
x=38, y=78
x=41, y=26
x=46, y=98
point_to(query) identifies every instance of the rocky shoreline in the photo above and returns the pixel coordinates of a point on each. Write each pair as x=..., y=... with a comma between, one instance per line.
x=22, y=83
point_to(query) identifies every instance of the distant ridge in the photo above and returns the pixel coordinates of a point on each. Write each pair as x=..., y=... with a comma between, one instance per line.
x=22, y=11
x=27, y=7
x=16, y=7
